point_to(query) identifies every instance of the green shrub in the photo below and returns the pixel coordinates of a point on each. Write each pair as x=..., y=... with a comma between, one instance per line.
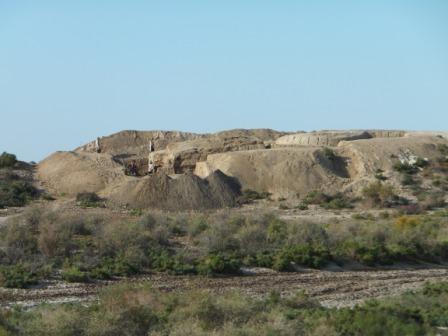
x=363, y=216
x=367, y=253
x=443, y=149
x=316, y=197
x=408, y=180
x=74, y=274
x=56, y=233
x=136, y=212
x=197, y=225
x=263, y=259
x=17, y=276
x=276, y=231
x=164, y=261
x=329, y=153
x=137, y=309
x=379, y=176
x=302, y=206
x=249, y=196
x=7, y=160
x=374, y=319
x=88, y=199
x=338, y=201
x=303, y=254
x=15, y=192
x=421, y=162
x=219, y=264
x=405, y=168
x=118, y=266
x=380, y=194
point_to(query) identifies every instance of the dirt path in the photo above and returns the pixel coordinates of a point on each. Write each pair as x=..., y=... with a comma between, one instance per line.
x=332, y=289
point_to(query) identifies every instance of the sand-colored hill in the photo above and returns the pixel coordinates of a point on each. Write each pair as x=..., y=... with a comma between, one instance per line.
x=283, y=172
x=69, y=173
x=285, y=165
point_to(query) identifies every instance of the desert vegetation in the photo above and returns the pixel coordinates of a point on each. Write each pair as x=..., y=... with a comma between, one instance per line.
x=138, y=309
x=7, y=160
x=15, y=190
x=81, y=247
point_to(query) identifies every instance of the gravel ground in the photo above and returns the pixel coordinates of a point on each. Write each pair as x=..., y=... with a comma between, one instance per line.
x=331, y=289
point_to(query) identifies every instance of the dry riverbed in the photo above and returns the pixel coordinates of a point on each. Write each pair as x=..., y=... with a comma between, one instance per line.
x=331, y=289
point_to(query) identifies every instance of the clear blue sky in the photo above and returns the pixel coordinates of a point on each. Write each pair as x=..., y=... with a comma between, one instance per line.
x=74, y=70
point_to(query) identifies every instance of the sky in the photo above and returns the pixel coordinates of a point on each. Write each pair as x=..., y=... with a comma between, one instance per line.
x=74, y=70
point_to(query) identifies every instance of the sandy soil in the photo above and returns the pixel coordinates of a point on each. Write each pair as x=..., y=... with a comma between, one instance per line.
x=331, y=289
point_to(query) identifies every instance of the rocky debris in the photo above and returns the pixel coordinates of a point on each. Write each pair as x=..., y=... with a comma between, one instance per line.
x=183, y=192
x=406, y=157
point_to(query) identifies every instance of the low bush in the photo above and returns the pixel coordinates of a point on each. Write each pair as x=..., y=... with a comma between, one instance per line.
x=248, y=196
x=304, y=255
x=17, y=276
x=329, y=153
x=7, y=160
x=15, y=192
x=367, y=253
x=363, y=216
x=443, y=149
x=316, y=197
x=379, y=194
x=196, y=226
x=136, y=309
x=379, y=176
x=334, y=202
x=219, y=264
x=408, y=180
x=405, y=168
x=88, y=199
x=74, y=274
x=302, y=206
x=337, y=201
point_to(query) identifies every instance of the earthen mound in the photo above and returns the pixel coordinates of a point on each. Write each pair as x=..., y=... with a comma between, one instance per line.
x=283, y=172
x=69, y=173
x=182, y=192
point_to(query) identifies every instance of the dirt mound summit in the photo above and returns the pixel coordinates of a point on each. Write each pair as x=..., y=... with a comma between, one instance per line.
x=182, y=192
